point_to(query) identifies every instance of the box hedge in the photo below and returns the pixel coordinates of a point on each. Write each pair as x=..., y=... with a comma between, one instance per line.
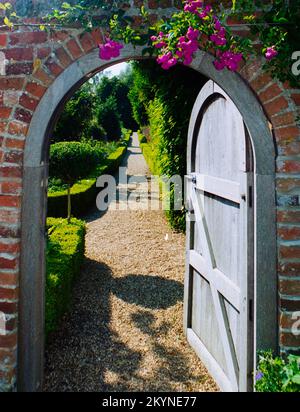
x=84, y=192
x=65, y=253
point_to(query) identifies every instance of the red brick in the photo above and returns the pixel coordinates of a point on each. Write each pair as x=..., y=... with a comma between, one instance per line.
x=3, y=40
x=13, y=156
x=63, y=57
x=8, y=357
x=251, y=69
x=26, y=38
x=287, y=133
x=9, y=232
x=87, y=42
x=8, y=293
x=8, y=341
x=8, y=279
x=97, y=36
x=8, y=263
x=276, y=106
x=287, y=148
x=9, y=247
x=9, y=201
x=289, y=252
x=289, y=287
x=74, y=49
x=11, y=188
x=287, y=185
x=8, y=307
x=17, y=129
x=289, y=233
x=19, y=68
x=19, y=53
x=261, y=81
x=287, y=320
x=23, y=115
x=288, y=166
x=59, y=36
x=283, y=119
x=10, y=216
x=11, y=324
x=296, y=98
x=43, y=52
x=10, y=171
x=289, y=268
x=3, y=126
x=35, y=89
x=271, y=92
x=14, y=143
x=28, y=102
x=43, y=77
x=154, y=4
x=289, y=339
x=53, y=67
x=13, y=83
x=5, y=112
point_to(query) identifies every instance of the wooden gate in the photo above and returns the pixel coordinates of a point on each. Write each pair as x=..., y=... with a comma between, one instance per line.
x=219, y=274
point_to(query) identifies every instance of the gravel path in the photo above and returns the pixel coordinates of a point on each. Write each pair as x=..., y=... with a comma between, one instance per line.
x=124, y=331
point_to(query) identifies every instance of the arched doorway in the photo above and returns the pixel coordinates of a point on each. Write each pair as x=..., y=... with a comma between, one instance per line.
x=31, y=345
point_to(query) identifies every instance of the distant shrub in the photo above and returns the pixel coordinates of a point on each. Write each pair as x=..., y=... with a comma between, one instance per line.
x=83, y=193
x=109, y=117
x=70, y=161
x=274, y=374
x=65, y=252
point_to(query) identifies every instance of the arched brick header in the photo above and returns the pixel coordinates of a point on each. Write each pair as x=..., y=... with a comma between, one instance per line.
x=21, y=95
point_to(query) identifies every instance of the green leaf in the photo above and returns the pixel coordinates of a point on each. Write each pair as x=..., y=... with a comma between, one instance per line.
x=296, y=379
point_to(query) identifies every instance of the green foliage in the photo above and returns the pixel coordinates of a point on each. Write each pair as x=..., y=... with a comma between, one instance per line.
x=70, y=161
x=277, y=24
x=164, y=101
x=65, y=252
x=77, y=120
x=118, y=87
x=108, y=116
x=275, y=374
x=83, y=192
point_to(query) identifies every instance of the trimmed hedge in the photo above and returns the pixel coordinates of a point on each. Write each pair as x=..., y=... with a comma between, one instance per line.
x=149, y=153
x=84, y=192
x=65, y=252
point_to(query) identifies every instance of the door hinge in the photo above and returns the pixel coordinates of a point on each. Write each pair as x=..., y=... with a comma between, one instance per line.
x=251, y=310
x=250, y=196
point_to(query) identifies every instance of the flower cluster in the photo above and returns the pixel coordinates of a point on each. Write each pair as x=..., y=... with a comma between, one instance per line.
x=271, y=53
x=219, y=36
x=227, y=59
x=110, y=49
x=186, y=46
x=198, y=8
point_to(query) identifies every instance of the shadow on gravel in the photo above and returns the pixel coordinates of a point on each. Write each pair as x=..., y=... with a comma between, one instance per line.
x=84, y=351
x=152, y=292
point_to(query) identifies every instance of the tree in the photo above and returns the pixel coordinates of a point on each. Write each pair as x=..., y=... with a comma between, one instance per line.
x=109, y=117
x=70, y=161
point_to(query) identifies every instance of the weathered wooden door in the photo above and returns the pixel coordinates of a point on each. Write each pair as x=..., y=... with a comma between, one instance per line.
x=219, y=275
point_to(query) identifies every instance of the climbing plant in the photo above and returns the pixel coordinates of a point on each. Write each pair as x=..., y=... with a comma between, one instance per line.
x=274, y=31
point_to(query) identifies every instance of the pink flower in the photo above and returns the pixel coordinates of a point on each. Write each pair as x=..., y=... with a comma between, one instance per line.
x=218, y=40
x=167, y=60
x=192, y=34
x=110, y=49
x=228, y=59
x=271, y=53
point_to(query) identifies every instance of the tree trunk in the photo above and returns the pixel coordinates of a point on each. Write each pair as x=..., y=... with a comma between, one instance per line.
x=69, y=203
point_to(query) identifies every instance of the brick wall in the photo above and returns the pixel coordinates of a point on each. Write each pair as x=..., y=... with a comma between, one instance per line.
x=20, y=92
